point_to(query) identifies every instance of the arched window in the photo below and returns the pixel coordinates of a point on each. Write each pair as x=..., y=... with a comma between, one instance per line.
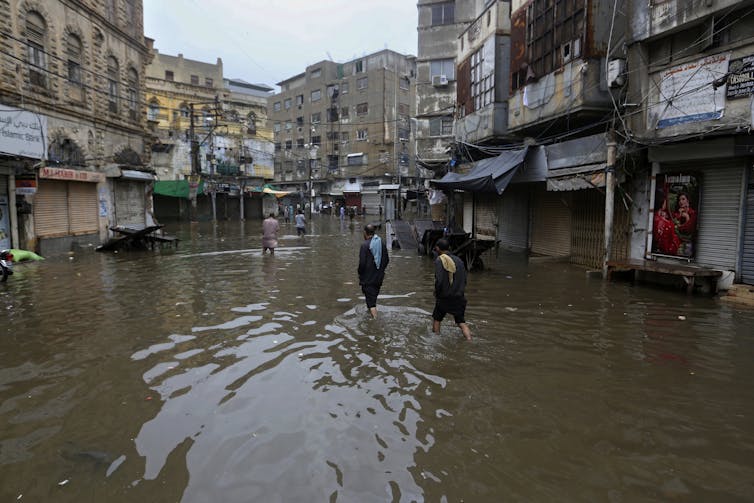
x=112, y=81
x=74, y=52
x=252, y=121
x=133, y=94
x=153, y=111
x=185, y=111
x=36, y=32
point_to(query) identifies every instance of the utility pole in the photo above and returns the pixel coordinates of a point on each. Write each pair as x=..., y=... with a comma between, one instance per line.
x=194, y=178
x=609, y=198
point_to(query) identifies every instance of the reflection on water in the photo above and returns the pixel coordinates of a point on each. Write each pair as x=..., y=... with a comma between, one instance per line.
x=215, y=373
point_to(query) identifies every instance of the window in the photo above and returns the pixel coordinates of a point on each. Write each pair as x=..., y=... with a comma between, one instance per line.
x=358, y=67
x=443, y=13
x=440, y=126
x=300, y=143
x=133, y=94
x=251, y=123
x=317, y=73
x=288, y=125
x=332, y=114
x=287, y=103
x=276, y=106
x=344, y=88
x=153, y=111
x=299, y=99
x=299, y=121
x=553, y=33
x=316, y=95
x=112, y=84
x=110, y=10
x=403, y=108
x=208, y=82
x=404, y=83
x=278, y=147
x=288, y=144
x=362, y=83
x=483, y=75
x=36, y=32
x=316, y=140
x=355, y=159
x=333, y=91
x=362, y=134
x=194, y=80
x=344, y=112
x=332, y=135
x=362, y=109
x=169, y=76
x=445, y=67
x=73, y=48
x=185, y=110
x=344, y=136
x=130, y=9
x=276, y=127
x=332, y=162
x=317, y=118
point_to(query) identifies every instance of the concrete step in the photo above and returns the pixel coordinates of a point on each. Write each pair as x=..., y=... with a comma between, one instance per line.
x=743, y=294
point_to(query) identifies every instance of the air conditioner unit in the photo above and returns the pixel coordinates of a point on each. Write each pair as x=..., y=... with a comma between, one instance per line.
x=439, y=80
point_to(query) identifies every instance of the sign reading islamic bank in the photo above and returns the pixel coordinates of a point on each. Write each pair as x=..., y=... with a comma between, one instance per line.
x=22, y=133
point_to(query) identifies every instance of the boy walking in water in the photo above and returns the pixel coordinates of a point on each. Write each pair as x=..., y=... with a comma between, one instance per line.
x=450, y=283
x=373, y=260
x=300, y=223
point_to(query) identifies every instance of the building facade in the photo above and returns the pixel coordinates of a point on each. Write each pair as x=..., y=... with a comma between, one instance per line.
x=210, y=134
x=689, y=82
x=73, y=161
x=342, y=130
x=440, y=25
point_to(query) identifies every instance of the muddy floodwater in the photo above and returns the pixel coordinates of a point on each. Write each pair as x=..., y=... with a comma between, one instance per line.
x=212, y=373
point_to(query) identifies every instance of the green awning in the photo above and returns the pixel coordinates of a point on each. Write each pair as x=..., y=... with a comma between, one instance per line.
x=176, y=188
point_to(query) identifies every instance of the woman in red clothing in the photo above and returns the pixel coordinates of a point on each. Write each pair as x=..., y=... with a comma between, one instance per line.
x=665, y=237
x=684, y=217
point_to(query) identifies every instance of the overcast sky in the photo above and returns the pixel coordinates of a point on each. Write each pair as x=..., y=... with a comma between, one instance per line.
x=266, y=41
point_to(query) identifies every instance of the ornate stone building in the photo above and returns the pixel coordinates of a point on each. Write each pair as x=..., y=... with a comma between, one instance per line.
x=72, y=152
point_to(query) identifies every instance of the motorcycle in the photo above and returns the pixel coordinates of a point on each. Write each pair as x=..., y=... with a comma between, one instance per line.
x=6, y=264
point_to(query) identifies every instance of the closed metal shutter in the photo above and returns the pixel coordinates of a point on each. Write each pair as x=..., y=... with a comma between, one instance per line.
x=588, y=228
x=719, y=211
x=5, y=231
x=513, y=218
x=129, y=202
x=551, y=223
x=747, y=258
x=372, y=202
x=486, y=216
x=83, y=208
x=51, y=209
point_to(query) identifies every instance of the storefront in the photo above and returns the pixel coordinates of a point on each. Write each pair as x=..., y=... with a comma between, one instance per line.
x=66, y=209
x=698, y=215
x=5, y=222
x=132, y=197
x=570, y=217
x=747, y=255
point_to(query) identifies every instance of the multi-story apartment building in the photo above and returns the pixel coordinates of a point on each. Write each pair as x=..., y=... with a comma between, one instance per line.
x=73, y=160
x=689, y=81
x=441, y=22
x=342, y=130
x=210, y=139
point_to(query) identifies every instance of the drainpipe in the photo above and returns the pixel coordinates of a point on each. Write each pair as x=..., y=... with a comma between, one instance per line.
x=609, y=198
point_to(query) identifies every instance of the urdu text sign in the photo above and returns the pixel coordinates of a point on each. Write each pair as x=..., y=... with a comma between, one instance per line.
x=22, y=133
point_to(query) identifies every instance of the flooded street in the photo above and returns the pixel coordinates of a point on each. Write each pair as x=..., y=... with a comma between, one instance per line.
x=213, y=373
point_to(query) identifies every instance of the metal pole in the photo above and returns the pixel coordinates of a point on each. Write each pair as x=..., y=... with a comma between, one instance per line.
x=609, y=199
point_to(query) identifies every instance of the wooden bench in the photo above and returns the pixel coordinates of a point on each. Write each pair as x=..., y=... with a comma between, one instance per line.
x=689, y=273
